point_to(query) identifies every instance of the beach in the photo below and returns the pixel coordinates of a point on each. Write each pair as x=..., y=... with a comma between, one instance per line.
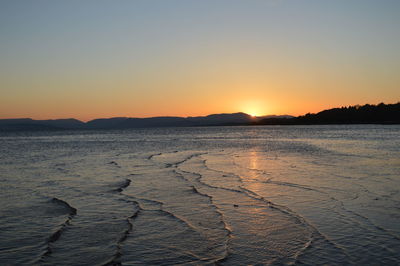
x=272, y=195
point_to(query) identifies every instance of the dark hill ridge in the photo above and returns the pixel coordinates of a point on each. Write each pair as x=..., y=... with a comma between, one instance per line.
x=125, y=122
x=366, y=114
x=30, y=124
x=170, y=121
x=106, y=122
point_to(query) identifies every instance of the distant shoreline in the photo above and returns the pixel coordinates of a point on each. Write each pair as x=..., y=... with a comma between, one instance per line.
x=381, y=114
x=54, y=129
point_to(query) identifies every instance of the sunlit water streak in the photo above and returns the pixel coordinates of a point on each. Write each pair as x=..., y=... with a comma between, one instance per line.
x=221, y=195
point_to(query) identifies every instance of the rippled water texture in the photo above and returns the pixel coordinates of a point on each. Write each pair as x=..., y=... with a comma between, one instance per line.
x=222, y=195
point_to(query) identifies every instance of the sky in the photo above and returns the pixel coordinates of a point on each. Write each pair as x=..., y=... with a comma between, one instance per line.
x=142, y=58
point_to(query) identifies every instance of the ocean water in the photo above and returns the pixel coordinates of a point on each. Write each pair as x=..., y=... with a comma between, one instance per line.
x=303, y=195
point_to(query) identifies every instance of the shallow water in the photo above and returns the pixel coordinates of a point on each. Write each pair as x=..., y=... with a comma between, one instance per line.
x=221, y=195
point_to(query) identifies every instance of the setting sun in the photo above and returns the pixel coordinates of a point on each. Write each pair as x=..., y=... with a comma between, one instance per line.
x=254, y=108
x=253, y=113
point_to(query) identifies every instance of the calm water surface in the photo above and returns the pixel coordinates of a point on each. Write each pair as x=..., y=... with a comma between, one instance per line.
x=305, y=195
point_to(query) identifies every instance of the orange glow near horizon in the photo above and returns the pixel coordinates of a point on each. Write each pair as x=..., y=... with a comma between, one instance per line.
x=254, y=108
x=195, y=58
x=157, y=108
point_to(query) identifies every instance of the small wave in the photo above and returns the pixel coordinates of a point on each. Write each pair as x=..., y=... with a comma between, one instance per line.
x=114, y=163
x=165, y=212
x=152, y=155
x=225, y=226
x=176, y=164
x=199, y=179
x=180, y=176
x=115, y=259
x=71, y=211
x=155, y=202
x=189, y=157
x=123, y=185
x=223, y=173
x=217, y=210
x=62, y=170
x=288, y=184
x=177, y=218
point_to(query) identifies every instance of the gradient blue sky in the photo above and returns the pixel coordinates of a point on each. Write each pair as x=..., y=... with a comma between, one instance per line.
x=88, y=59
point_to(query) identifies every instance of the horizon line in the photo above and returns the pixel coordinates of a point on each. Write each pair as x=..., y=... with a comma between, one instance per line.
x=134, y=117
x=159, y=116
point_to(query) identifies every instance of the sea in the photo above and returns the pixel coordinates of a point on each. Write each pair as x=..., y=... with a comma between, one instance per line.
x=253, y=195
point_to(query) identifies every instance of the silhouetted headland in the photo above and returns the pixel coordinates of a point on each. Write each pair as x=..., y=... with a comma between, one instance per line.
x=357, y=114
x=366, y=114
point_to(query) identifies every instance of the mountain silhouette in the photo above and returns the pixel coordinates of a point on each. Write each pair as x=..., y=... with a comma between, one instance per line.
x=357, y=114
x=30, y=124
x=170, y=121
x=125, y=122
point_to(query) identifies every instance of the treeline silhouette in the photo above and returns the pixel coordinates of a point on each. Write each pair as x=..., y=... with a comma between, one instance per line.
x=357, y=114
